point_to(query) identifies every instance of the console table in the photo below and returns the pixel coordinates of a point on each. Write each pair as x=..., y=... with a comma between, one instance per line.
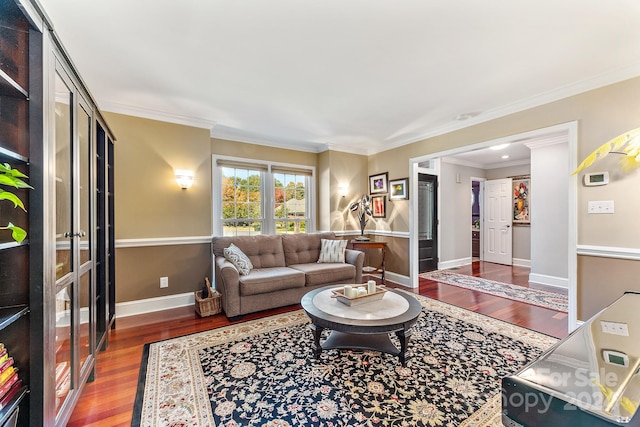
x=368, y=245
x=590, y=378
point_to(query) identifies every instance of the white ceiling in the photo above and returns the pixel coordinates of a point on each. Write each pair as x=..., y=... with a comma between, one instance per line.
x=486, y=158
x=354, y=75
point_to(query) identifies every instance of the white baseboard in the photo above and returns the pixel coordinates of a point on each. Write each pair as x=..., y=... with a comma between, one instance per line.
x=398, y=278
x=558, y=282
x=521, y=262
x=443, y=265
x=149, y=305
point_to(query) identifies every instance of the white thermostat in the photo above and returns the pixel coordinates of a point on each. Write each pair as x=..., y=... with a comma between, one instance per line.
x=614, y=357
x=596, y=178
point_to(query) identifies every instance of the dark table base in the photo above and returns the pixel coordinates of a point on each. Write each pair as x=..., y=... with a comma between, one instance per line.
x=350, y=341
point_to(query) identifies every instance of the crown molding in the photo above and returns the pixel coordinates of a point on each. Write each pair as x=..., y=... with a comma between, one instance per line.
x=231, y=134
x=162, y=116
x=224, y=132
x=595, y=82
x=546, y=141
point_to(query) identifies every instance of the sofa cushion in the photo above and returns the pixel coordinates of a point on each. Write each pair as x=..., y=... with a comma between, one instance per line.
x=317, y=274
x=265, y=280
x=332, y=250
x=303, y=248
x=264, y=251
x=236, y=257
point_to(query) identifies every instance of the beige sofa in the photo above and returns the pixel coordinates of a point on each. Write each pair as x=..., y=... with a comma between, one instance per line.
x=285, y=267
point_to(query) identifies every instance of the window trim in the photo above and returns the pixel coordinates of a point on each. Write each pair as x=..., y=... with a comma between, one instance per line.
x=267, y=188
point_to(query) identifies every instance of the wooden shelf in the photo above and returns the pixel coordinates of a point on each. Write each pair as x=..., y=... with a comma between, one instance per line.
x=6, y=412
x=9, y=245
x=8, y=315
x=12, y=155
x=9, y=87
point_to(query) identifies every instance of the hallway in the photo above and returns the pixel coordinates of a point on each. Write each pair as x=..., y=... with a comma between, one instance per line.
x=537, y=318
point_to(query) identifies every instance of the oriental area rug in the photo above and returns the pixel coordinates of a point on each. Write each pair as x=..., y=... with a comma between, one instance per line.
x=263, y=373
x=552, y=300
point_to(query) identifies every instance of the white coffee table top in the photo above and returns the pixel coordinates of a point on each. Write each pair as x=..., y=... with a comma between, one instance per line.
x=391, y=305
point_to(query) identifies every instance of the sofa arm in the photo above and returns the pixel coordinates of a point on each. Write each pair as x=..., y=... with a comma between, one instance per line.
x=228, y=284
x=355, y=258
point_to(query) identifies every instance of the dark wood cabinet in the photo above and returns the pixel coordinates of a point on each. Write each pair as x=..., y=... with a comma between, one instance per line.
x=57, y=285
x=475, y=243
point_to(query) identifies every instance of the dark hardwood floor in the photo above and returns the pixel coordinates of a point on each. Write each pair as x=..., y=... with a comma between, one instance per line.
x=108, y=400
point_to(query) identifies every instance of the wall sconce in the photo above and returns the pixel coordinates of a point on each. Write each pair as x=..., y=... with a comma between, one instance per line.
x=184, y=178
x=343, y=189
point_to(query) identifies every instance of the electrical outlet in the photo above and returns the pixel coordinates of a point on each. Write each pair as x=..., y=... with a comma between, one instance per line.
x=164, y=282
x=615, y=328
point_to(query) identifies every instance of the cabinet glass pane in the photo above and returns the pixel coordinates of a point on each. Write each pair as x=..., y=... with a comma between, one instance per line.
x=426, y=199
x=84, y=331
x=63, y=125
x=84, y=138
x=63, y=344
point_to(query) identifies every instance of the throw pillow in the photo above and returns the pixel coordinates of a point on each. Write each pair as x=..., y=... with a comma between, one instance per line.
x=236, y=257
x=332, y=250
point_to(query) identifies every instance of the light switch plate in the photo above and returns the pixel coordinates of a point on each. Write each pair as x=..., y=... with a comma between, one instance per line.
x=600, y=207
x=615, y=328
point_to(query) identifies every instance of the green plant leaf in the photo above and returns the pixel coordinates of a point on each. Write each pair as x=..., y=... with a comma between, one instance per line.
x=13, y=181
x=18, y=234
x=7, y=195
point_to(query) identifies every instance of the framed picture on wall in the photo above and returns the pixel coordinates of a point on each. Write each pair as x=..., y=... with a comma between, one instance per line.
x=378, y=183
x=522, y=200
x=379, y=206
x=399, y=189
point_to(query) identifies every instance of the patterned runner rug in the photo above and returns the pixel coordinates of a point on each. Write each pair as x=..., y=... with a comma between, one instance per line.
x=263, y=373
x=553, y=300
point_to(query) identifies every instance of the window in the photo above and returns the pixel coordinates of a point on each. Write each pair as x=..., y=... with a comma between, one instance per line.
x=241, y=201
x=261, y=198
x=290, y=208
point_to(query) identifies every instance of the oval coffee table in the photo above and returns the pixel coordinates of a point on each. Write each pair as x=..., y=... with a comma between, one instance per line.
x=361, y=327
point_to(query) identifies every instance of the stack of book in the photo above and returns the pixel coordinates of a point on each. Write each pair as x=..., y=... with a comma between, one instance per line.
x=9, y=382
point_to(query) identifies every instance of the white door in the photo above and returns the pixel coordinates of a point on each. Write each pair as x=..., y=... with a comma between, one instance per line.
x=498, y=214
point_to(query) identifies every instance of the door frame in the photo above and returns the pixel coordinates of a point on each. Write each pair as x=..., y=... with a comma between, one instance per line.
x=568, y=130
x=435, y=229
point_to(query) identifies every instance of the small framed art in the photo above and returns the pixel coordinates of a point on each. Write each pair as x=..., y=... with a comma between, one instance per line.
x=379, y=206
x=399, y=189
x=378, y=183
x=522, y=200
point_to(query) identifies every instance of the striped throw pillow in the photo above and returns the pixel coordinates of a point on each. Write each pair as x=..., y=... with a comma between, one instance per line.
x=332, y=250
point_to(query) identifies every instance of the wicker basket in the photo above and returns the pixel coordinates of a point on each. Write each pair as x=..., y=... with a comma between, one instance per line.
x=208, y=306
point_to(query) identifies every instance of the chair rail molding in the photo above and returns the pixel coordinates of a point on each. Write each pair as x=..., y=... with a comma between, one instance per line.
x=162, y=241
x=609, y=252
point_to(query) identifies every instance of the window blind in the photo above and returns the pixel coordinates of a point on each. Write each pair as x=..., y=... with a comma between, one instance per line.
x=238, y=164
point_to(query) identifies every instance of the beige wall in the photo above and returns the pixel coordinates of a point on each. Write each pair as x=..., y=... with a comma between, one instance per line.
x=607, y=278
x=138, y=270
x=601, y=114
x=149, y=203
x=351, y=170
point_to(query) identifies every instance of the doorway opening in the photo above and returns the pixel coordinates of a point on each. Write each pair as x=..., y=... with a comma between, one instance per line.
x=476, y=220
x=566, y=132
x=427, y=222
